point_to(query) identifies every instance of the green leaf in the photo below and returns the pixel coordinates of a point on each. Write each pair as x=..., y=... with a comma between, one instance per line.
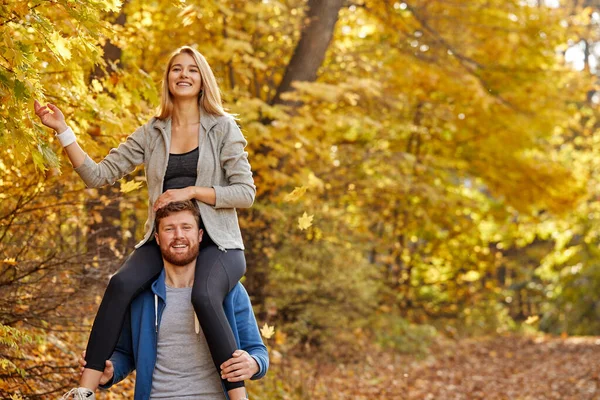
x=21, y=93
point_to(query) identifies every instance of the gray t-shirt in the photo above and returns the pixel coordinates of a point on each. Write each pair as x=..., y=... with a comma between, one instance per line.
x=184, y=367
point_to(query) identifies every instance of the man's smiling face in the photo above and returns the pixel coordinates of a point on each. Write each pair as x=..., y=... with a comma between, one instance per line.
x=179, y=238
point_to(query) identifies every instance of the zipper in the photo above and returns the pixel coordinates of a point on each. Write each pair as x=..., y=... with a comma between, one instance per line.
x=200, y=143
x=148, y=234
x=167, y=148
x=155, y=338
x=156, y=313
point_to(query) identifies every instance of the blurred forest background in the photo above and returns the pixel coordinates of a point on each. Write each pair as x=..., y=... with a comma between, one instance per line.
x=427, y=170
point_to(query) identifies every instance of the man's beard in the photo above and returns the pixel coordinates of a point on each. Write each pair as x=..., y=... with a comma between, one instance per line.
x=180, y=259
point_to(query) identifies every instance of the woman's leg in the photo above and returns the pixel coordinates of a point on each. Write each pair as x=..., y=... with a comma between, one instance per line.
x=139, y=270
x=217, y=272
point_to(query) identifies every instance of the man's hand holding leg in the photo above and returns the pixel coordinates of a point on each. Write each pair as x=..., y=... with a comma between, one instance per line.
x=108, y=373
x=242, y=366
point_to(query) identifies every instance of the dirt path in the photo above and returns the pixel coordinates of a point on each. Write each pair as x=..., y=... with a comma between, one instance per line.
x=499, y=368
x=494, y=369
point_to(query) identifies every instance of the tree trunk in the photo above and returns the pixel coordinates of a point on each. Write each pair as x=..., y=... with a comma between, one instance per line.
x=105, y=232
x=112, y=53
x=310, y=51
x=303, y=66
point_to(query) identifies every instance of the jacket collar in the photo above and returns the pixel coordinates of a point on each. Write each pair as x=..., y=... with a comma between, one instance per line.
x=207, y=121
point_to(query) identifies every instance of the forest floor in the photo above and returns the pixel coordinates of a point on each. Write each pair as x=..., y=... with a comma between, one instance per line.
x=496, y=368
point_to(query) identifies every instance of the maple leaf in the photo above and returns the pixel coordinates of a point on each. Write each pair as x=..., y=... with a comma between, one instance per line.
x=130, y=186
x=60, y=46
x=305, y=221
x=295, y=194
x=267, y=331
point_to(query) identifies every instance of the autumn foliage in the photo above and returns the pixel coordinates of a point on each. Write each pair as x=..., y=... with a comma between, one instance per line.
x=429, y=169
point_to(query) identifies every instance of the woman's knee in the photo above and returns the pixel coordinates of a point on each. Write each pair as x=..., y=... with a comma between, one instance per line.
x=216, y=273
x=142, y=266
x=205, y=301
x=210, y=290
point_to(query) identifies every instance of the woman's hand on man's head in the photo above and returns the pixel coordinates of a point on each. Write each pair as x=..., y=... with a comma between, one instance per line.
x=173, y=195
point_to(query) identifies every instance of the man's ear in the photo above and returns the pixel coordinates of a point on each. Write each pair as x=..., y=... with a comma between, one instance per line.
x=156, y=238
x=200, y=234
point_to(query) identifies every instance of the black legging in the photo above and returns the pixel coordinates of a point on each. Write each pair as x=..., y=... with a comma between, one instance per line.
x=217, y=272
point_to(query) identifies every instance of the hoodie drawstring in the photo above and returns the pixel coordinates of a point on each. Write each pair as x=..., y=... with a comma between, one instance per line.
x=156, y=312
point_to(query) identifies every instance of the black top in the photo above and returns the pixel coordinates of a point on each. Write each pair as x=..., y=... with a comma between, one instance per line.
x=182, y=171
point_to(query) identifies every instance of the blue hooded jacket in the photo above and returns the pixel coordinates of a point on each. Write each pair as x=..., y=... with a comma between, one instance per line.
x=136, y=349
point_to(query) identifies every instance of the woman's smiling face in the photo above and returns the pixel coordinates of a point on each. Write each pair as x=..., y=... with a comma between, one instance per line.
x=184, y=77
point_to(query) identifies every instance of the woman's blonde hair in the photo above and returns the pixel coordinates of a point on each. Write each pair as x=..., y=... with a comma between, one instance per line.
x=210, y=95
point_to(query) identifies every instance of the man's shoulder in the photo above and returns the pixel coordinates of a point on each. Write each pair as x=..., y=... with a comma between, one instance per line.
x=238, y=296
x=239, y=290
x=146, y=295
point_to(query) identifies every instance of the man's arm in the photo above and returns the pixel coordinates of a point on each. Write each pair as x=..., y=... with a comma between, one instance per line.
x=122, y=358
x=247, y=327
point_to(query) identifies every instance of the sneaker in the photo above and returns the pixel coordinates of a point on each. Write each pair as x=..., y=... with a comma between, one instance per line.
x=80, y=393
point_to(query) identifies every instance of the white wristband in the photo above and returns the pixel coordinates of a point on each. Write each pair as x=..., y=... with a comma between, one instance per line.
x=67, y=137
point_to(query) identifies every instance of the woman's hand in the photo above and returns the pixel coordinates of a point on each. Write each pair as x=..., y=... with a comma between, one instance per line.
x=241, y=367
x=172, y=195
x=51, y=116
x=108, y=373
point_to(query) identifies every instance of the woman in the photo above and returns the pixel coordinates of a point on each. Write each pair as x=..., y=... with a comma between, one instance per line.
x=192, y=149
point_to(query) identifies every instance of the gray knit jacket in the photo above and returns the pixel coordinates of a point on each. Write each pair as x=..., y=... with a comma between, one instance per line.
x=222, y=164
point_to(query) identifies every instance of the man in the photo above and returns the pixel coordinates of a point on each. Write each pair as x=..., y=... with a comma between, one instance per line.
x=161, y=338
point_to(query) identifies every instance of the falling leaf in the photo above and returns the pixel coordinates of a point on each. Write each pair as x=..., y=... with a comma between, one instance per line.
x=532, y=319
x=305, y=221
x=130, y=186
x=267, y=331
x=296, y=194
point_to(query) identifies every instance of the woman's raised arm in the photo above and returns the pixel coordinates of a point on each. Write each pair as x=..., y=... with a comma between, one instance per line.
x=118, y=163
x=53, y=118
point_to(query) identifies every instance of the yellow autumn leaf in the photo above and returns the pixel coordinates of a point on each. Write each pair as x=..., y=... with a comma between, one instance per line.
x=130, y=186
x=9, y=261
x=97, y=217
x=315, y=182
x=97, y=86
x=267, y=331
x=295, y=194
x=112, y=5
x=60, y=46
x=305, y=221
x=532, y=319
